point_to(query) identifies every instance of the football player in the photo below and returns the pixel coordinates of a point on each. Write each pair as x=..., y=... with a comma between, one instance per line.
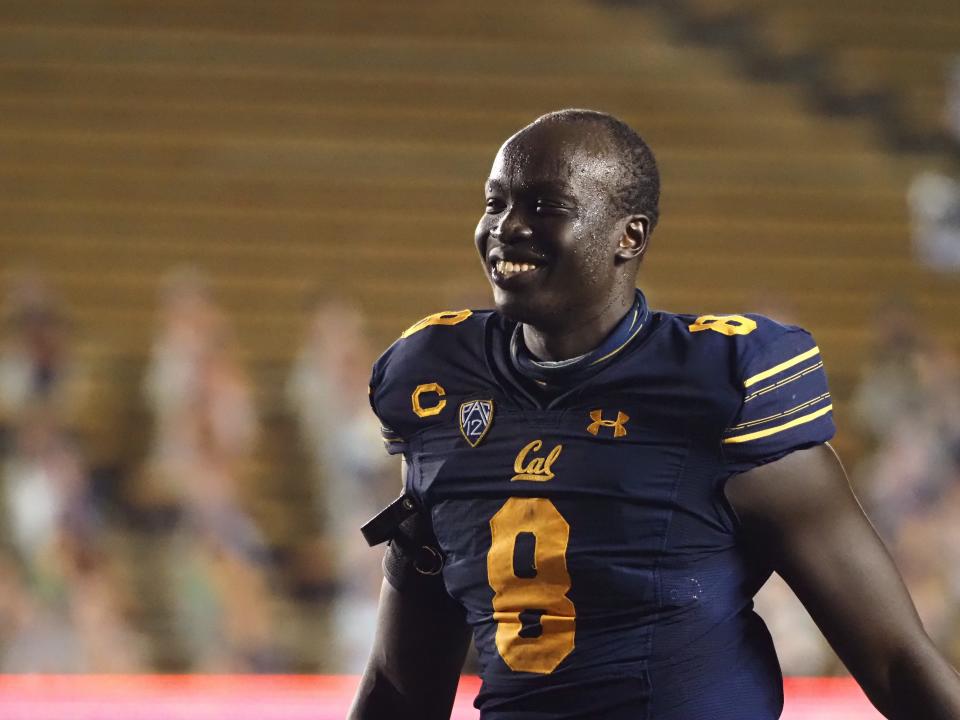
x=595, y=490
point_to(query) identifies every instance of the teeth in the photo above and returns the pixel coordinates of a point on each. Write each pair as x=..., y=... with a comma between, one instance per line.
x=507, y=268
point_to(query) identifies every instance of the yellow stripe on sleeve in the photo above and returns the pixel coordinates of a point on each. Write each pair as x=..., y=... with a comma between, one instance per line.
x=779, y=428
x=781, y=367
x=780, y=383
x=791, y=411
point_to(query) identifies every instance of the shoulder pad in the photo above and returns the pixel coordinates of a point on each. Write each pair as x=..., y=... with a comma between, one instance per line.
x=410, y=380
x=749, y=334
x=785, y=400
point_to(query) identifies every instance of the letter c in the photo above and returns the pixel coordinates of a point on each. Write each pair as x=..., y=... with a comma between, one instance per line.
x=422, y=411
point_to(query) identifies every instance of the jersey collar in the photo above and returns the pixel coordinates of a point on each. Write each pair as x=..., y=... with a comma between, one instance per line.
x=572, y=371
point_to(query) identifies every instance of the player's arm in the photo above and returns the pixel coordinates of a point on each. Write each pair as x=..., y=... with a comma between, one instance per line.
x=415, y=663
x=418, y=651
x=801, y=508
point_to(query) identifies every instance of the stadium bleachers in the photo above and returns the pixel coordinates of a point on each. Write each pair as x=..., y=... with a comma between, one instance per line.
x=899, y=50
x=296, y=148
x=287, y=148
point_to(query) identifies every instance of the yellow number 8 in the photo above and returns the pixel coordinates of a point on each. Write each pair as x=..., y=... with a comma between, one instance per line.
x=541, y=640
x=724, y=324
x=448, y=317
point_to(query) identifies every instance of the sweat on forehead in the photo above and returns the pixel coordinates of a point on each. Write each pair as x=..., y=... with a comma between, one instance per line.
x=635, y=183
x=560, y=151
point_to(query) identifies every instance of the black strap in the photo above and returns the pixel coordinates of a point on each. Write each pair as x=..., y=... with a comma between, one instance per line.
x=407, y=529
x=384, y=525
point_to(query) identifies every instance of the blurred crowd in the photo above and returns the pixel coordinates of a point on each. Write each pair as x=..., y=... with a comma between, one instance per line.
x=908, y=406
x=906, y=411
x=120, y=560
x=934, y=195
x=165, y=516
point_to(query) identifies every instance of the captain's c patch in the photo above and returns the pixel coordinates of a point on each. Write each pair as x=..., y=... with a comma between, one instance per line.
x=476, y=417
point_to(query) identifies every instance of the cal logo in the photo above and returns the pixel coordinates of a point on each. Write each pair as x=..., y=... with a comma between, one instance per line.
x=475, y=419
x=537, y=469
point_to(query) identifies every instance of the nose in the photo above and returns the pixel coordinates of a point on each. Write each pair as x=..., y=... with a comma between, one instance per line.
x=512, y=228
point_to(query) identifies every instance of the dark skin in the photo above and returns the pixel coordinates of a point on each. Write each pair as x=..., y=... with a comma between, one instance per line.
x=547, y=207
x=547, y=203
x=802, y=509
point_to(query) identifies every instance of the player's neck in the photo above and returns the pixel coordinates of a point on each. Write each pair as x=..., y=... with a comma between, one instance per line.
x=579, y=335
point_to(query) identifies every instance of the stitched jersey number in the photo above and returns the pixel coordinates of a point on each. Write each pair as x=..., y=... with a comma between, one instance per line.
x=724, y=324
x=535, y=618
x=448, y=317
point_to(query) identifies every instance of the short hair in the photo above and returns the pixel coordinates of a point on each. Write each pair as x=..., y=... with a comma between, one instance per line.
x=639, y=190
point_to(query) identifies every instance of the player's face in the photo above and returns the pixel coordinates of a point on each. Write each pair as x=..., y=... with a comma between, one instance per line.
x=548, y=235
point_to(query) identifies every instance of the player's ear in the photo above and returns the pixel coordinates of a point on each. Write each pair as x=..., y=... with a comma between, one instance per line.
x=633, y=241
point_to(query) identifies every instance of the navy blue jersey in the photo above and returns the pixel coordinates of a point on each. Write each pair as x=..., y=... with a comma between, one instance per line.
x=585, y=527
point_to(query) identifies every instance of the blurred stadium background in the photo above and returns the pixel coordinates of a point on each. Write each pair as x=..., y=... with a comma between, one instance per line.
x=213, y=215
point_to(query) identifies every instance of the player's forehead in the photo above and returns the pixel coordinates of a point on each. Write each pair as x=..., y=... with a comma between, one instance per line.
x=568, y=157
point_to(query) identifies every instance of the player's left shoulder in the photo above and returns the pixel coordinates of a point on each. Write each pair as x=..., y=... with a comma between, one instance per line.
x=750, y=341
x=784, y=397
x=768, y=375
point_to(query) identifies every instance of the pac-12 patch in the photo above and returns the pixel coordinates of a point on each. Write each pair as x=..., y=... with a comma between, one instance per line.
x=476, y=416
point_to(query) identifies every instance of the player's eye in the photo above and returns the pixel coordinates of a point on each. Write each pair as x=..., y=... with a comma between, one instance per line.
x=494, y=206
x=551, y=207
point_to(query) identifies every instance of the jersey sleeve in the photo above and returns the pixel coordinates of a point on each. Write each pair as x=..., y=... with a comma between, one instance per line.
x=785, y=406
x=410, y=381
x=393, y=442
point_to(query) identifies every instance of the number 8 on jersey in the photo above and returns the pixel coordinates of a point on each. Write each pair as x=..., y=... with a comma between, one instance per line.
x=535, y=618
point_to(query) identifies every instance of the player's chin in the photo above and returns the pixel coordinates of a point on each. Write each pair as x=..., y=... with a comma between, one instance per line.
x=523, y=306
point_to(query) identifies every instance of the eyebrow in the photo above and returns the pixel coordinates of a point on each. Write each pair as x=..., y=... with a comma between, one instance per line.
x=552, y=186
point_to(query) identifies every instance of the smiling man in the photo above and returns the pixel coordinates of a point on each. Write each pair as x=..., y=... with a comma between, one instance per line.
x=597, y=490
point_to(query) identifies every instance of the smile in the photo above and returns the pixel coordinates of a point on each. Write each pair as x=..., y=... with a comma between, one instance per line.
x=508, y=269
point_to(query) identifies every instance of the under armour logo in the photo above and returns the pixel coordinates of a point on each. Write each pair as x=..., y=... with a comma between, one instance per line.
x=598, y=422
